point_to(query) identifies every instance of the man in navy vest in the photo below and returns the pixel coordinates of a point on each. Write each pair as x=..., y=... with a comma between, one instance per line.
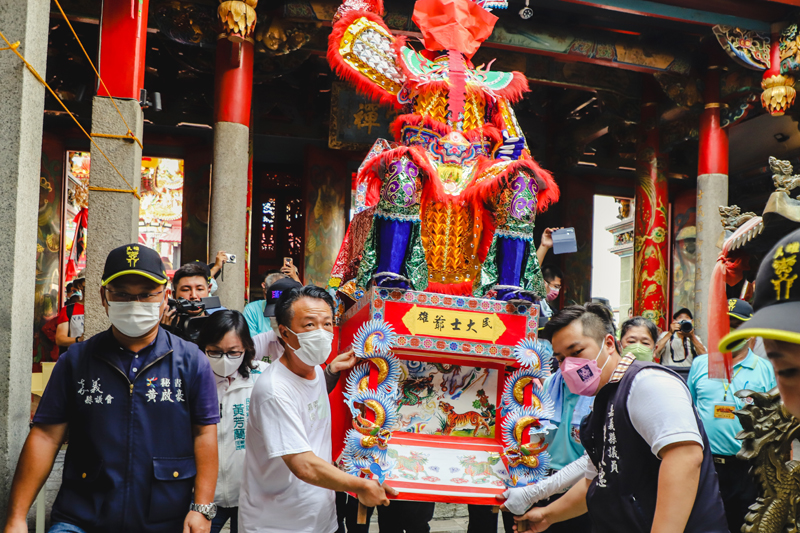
x=650, y=467
x=141, y=409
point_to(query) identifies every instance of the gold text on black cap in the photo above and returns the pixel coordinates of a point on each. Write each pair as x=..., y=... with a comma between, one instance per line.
x=133, y=256
x=783, y=265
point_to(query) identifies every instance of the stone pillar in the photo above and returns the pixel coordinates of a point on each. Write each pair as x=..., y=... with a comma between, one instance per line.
x=21, y=112
x=712, y=192
x=228, y=214
x=651, y=234
x=113, y=216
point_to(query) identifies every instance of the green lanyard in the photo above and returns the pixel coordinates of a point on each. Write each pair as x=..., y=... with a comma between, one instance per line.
x=727, y=386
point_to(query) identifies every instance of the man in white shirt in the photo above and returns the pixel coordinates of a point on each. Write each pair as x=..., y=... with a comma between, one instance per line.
x=650, y=466
x=289, y=480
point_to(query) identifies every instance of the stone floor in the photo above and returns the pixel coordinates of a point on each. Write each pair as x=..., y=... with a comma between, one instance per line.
x=447, y=518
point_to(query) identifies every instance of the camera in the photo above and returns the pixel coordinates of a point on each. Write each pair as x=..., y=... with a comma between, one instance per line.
x=230, y=258
x=686, y=326
x=189, y=318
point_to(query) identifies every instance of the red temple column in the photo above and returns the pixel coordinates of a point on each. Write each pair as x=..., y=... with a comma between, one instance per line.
x=651, y=234
x=114, y=211
x=229, y=180
x=712, y=192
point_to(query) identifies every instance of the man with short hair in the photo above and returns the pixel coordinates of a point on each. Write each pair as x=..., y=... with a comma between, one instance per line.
x=70, y=318
x=289, y=480
x=678, y=347
x=141, y=409
x=716, y=402
x=777, y=302
x=650, y=468
x=191, y=282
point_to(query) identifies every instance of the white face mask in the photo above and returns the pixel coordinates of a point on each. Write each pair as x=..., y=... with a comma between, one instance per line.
x=134, y=319
x=273, y=323
x=213, y=289
x=223, y=366
x=315, y=346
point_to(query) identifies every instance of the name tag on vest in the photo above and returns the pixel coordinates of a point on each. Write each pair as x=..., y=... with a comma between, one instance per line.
x=724, y=410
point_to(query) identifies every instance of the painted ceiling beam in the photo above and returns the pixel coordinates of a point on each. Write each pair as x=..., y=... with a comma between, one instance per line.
x=682, y=14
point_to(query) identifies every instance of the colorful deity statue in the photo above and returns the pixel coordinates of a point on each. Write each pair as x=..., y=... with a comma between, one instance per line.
x=452, y=201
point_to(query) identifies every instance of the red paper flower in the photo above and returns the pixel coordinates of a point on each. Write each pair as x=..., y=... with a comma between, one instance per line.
x=453, y=25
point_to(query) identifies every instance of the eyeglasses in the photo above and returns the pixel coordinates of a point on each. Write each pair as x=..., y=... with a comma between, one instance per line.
x=125, y=297
x=230, y=355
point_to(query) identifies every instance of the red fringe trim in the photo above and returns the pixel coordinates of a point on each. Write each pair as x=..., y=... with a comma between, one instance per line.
x=432, y=187
x=546, y=197
x=514, y=91
x=345, y=71
x=456, y=289
x=488, y=231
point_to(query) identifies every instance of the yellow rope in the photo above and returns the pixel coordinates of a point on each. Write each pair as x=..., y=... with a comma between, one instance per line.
x=108, y=189
x=13, y=48
x=130, y=133
x=111, y=136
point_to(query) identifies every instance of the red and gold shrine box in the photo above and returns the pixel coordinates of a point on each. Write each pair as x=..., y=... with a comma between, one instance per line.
x=456, y=354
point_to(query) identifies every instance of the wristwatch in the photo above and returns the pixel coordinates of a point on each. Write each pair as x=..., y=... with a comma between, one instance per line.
x=209, y=510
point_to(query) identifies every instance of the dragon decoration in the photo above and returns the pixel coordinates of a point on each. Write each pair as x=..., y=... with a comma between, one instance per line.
x=528, y=462
x=783, y=175
x=451, y=202
x=768, y=432
x=732, y=217
x=367, y=443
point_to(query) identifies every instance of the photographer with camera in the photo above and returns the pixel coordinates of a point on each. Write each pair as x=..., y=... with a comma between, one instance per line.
x=190, y=286
x=678, y=346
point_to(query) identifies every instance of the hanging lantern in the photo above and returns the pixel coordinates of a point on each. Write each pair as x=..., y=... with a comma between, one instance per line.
x=779, y=94
x=238, y=18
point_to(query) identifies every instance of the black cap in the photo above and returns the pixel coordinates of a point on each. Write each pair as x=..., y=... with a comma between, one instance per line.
x=274, y=292
x=134, y=259
x=777, y=297
x=740, y=309
x=682, y=311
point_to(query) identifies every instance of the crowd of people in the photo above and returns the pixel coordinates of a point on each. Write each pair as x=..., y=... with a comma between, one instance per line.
x=176, y=432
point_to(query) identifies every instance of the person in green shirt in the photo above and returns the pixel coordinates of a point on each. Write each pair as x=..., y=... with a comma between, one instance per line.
x=257, y=320
x=716, y=401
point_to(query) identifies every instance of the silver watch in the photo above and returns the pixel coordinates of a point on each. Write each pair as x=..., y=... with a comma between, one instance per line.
x=209, y=510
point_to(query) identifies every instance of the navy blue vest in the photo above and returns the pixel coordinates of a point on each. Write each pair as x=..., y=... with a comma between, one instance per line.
x=130, y=460
x=623, y=496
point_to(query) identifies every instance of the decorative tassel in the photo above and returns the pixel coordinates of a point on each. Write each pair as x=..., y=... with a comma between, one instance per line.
x=458, y=86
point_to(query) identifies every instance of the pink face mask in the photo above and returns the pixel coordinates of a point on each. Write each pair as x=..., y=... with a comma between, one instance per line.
x=581, y=376
x=552, y=294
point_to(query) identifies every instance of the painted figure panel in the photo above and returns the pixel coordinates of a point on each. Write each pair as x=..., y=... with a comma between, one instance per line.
x=450, y=400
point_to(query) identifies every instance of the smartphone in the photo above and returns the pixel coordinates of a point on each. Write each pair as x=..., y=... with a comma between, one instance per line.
x=288, y=261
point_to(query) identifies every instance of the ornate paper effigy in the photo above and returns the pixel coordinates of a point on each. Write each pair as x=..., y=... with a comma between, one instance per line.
x=448, y=405
x=456, y=193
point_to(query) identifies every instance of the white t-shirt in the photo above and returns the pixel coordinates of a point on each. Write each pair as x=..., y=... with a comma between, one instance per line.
x=268, y=347
x=661, y=411
x=288, y=415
